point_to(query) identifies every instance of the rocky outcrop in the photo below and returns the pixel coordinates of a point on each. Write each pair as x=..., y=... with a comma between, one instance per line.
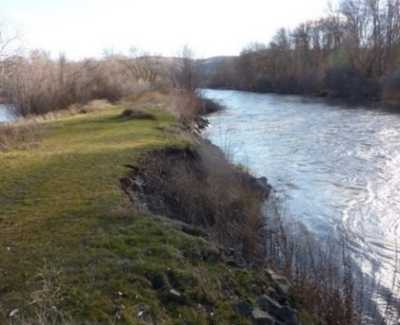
x=273, y=307
x=282, y=314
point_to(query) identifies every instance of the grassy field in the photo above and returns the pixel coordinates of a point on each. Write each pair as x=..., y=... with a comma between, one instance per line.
x=72, y=248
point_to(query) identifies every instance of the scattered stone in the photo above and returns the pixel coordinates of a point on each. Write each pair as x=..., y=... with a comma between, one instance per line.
x=13, y=313
x=193, y=231
x=281, y=281
x=158, y=280
x=119, y=311
x=212, y=254
x=235, y=261
x=277, y=294
x=244, y=308
x=284, y=314
x=261, y=317
x=266, y=303
x=173, y=295
x=144, y=314
x=266, y=189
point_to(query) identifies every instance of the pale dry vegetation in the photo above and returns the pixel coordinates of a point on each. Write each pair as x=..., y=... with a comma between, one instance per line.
x=200, y=187
x=20, y=135
x=38, y=84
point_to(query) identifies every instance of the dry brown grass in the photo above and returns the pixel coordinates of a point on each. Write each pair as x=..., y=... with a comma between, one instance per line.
x=186, y=106
x=150, y=97
x=19, y=135
x=202, y=188
x=323, y=275
x=45, y=301
x=92, y=106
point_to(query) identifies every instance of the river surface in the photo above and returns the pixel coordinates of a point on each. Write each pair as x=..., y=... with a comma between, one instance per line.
x=334, y=168
x=5, y=114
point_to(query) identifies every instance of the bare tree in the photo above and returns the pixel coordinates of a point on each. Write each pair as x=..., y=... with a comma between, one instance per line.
x=186, y=74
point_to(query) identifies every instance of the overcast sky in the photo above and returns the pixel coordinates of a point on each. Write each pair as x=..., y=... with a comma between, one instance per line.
x=84, y=28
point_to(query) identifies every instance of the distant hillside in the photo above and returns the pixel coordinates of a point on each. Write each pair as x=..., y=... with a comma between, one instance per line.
x=210, y=65
x=216, y=72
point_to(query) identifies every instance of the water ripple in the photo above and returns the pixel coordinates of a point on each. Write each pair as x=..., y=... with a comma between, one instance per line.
x=334, y=168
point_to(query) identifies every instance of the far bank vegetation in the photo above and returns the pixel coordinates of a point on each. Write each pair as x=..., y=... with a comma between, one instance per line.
x=352, y=53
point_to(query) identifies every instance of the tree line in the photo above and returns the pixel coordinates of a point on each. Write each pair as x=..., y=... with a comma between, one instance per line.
x=35, y=83
x=353, y=52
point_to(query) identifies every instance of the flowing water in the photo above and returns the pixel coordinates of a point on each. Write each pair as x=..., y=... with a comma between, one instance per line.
x=334, y=168
x=5, y=114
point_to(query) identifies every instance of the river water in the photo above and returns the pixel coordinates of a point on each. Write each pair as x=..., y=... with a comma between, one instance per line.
x=5, y=114
x=334, y=168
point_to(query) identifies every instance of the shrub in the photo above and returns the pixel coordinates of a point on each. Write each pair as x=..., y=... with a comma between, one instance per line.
x=391, y=89
x=37, y=84
x=203, y=189
x=208, y=106
x=346, y=82
x=134, y=114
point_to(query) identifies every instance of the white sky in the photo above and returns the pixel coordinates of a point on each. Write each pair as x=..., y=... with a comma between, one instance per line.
x=83, y=28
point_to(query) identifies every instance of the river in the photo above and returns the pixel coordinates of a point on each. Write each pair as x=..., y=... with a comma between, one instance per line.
x=334, y=168
x=5, y=114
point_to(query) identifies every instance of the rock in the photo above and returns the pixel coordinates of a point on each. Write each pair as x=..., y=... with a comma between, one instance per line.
x=193, y=231
x=158, y=280
x=260, y=317
x=212, y=254
x=263, y=183
x=173, y=295
x=277, y=294
x=243, y=308
x=266, y=303
x=281, y=281
x=260, y=185
x=143, y=313
x=284, y=314
x=13, y=312
x=236, y=262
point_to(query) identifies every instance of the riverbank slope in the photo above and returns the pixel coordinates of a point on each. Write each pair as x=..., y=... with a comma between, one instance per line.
x=73, y=248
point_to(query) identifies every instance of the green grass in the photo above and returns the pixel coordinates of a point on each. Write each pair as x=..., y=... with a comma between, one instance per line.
x=55, y=194
x=70, y=239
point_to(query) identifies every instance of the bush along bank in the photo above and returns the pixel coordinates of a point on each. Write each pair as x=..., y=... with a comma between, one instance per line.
x=196, y=190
